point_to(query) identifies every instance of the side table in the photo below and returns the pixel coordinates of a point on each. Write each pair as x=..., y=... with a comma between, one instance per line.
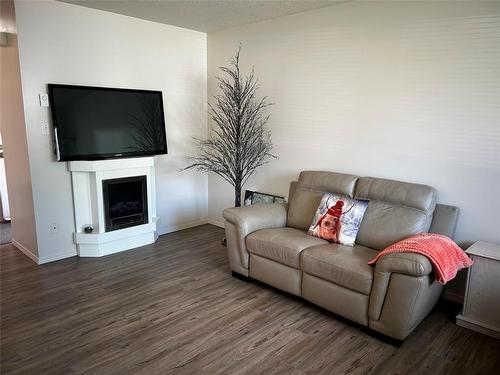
x=481, y=310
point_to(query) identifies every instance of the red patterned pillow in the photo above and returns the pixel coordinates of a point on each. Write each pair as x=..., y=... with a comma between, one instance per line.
x=338, y=219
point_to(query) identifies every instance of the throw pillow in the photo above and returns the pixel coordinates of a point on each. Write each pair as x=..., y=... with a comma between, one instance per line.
x=338, y=218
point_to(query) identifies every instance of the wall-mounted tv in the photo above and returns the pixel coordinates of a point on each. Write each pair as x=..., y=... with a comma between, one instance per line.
x=92, y=123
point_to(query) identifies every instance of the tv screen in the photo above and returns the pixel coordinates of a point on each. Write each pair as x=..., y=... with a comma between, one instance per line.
x=92, y=123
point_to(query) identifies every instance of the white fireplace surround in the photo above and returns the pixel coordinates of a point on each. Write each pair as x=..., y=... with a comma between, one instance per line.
x=88, y=200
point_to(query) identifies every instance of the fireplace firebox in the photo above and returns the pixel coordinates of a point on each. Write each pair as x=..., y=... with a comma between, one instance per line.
x=125, y=202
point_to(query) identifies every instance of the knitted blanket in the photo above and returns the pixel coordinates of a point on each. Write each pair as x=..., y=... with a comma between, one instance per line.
x=444, y=254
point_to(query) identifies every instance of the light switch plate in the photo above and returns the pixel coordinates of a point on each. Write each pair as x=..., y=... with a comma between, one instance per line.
x=44, y=100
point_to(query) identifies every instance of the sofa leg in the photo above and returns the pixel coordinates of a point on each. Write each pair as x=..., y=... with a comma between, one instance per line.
x=241, y=277
x=387, y=339
x=392, y=341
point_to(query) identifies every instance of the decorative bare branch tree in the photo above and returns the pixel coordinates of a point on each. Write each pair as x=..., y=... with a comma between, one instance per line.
x=238, y=142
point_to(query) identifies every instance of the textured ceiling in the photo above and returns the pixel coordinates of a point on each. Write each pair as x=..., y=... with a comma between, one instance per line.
x=205, y=15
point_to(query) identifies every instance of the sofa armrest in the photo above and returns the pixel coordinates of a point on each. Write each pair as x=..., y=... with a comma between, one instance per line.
x=405, y=303
x=257, y=216
x=416, y=269
x=412, y=264
x=241, y=221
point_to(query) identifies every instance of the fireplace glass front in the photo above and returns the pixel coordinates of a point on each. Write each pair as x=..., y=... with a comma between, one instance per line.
x=125, y=202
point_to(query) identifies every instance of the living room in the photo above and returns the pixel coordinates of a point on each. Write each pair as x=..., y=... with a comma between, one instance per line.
x=406, y=93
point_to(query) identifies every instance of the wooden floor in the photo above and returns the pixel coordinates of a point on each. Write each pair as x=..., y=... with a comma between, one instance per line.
x=173, y=308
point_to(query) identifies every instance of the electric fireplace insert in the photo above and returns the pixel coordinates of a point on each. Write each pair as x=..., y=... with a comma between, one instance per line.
x=125, y=202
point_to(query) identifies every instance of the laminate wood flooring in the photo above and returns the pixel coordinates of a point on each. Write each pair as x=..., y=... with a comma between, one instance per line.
x=174, y=308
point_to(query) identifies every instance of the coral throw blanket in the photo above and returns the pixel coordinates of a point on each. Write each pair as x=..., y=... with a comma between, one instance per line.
x=444, y=254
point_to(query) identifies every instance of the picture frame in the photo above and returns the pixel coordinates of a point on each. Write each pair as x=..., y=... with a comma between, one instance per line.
x=255, y=197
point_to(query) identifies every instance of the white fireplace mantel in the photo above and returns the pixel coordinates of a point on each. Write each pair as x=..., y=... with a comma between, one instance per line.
x=87, y=178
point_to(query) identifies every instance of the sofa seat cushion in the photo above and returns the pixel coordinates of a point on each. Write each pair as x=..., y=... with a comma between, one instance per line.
x=344, y=265
x=282, y=245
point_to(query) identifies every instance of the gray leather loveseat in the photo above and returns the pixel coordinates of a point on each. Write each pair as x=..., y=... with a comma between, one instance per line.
x=270, y=243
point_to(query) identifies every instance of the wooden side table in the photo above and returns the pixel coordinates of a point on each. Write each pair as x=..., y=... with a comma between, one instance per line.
x=481, y=311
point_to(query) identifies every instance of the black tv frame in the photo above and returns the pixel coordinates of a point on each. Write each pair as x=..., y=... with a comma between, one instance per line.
x=123, y=155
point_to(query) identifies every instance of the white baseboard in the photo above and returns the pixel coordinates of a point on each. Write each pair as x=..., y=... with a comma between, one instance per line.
x=175, y=228
x=59, y=256
x=42, y=260
x=480, y=327
x=216, y=222
x=25, y=251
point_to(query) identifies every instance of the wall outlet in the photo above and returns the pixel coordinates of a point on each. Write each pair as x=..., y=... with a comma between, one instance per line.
x=54, y=228
x=44, y=128
x=44, y=100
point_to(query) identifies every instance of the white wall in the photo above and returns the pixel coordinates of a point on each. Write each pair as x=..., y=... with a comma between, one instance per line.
x=17, y=169
x=400, y=90
x=64, y=43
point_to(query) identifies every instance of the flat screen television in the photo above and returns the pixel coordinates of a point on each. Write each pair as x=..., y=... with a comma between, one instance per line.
x=92, y=123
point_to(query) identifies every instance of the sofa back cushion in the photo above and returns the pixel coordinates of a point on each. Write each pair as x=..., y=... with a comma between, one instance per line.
x=308, y=193
x=396, y=210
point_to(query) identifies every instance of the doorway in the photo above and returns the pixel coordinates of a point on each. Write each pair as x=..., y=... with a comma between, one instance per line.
x=5, y=226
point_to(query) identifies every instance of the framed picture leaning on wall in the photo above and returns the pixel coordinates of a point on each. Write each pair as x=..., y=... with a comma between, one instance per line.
x=255, y=197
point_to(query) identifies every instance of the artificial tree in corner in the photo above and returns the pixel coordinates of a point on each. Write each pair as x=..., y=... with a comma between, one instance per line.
x=238, y=142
